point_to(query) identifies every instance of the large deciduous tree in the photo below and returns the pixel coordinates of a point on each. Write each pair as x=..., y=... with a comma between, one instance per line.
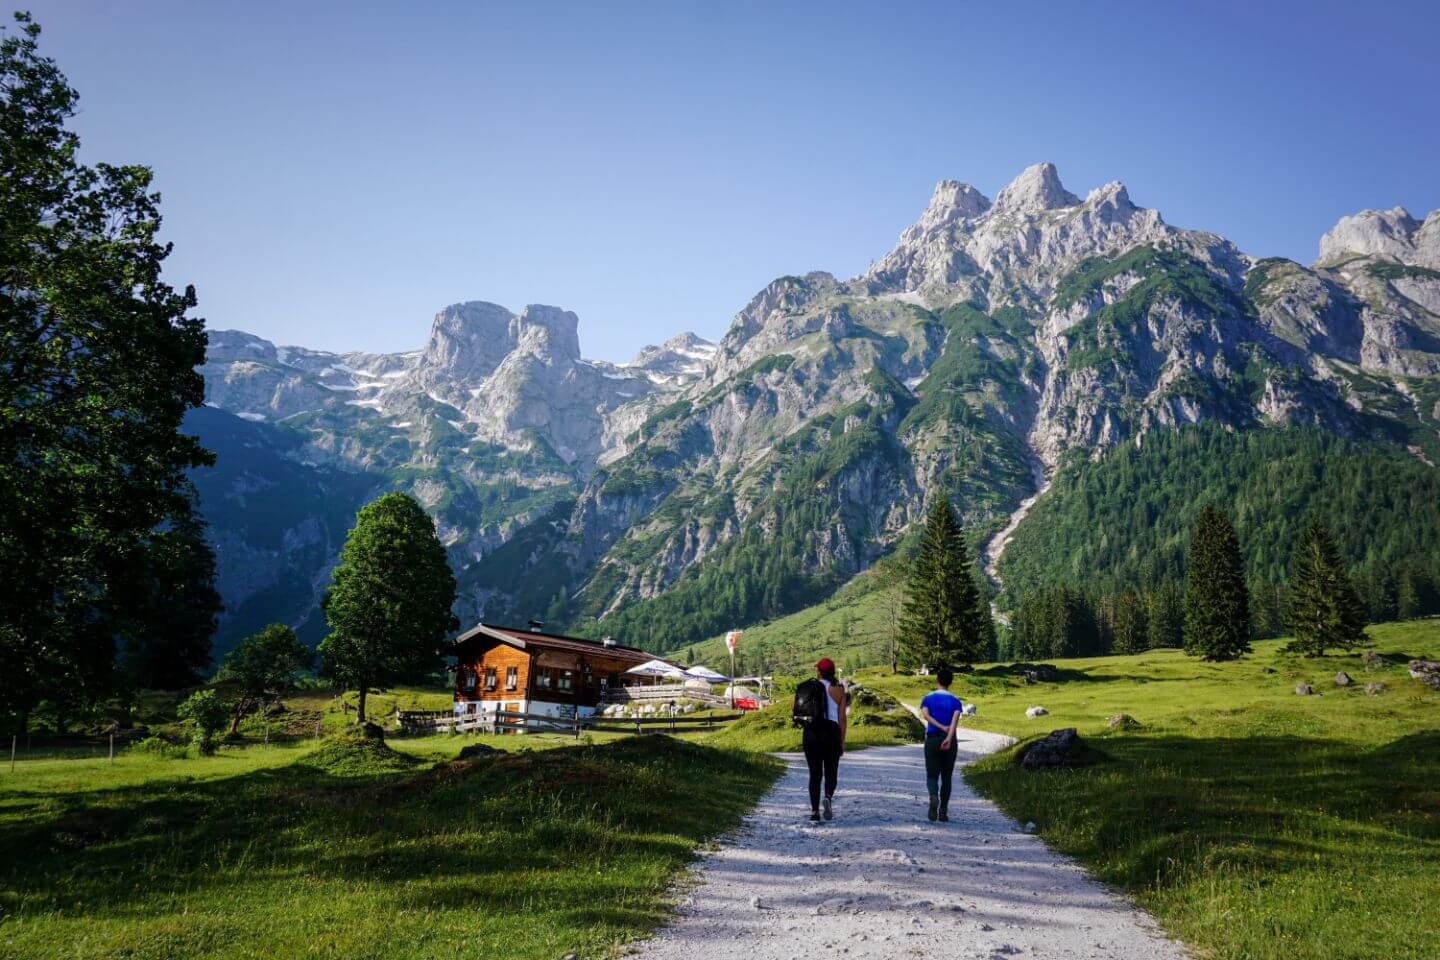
x=1325, y=612
x=944, y=614
x=1217, y=605
x=389, y=605
x=97, y=368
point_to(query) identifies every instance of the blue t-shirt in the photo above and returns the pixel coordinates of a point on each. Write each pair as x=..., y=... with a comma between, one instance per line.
x=942, y=705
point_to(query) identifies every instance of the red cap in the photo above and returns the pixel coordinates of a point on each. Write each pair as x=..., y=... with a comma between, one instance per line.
x=825, y=664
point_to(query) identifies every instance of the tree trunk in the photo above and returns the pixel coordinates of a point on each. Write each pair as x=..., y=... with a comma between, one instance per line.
x=360, y=710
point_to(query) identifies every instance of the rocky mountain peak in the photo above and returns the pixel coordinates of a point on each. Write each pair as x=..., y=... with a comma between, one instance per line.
x=468, y=340
x=1036, y=189
x=1393, y=234
x=952, y=202
x=548, y=332
x=239, y=345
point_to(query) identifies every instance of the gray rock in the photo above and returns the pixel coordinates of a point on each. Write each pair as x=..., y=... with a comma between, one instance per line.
x=477, y=751
x=1342, y=679
x=1374, y=689
x=1303, y=689
x=1123, y=721
x=1034, y=712
x=1059, y=748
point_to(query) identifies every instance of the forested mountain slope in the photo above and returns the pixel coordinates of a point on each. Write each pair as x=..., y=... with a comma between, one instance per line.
x=1000, y=343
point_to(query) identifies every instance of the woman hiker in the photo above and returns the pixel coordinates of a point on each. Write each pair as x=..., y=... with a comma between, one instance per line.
x=824, y=738
x=941, y=712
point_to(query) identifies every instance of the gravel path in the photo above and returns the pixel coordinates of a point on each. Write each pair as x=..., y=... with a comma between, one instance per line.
x=881, y=881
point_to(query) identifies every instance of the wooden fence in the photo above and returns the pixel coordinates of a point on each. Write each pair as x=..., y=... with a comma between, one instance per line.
x=507, y=721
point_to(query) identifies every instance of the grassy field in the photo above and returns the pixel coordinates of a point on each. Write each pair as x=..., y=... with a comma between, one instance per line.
x=1253, y=823
x=343, y=850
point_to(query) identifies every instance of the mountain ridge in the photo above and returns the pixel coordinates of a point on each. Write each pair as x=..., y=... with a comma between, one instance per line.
x=991, y=344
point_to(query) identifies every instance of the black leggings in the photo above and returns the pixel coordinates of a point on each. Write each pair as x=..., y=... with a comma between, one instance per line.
x=939, y=767
x=822, y=754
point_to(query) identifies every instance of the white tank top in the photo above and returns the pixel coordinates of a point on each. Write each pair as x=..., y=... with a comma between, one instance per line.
x=832, y=709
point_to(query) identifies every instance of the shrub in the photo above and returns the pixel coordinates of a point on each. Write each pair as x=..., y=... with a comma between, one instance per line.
x=206, y=715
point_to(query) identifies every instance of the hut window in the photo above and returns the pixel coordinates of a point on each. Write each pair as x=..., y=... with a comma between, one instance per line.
x=469, y=679
x=542, y=678
x=566, y=680
x=489, y=678
x=512, y=677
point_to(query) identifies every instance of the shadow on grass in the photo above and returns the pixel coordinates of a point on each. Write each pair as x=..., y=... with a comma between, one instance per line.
x=1166, y=808
x=498, y=833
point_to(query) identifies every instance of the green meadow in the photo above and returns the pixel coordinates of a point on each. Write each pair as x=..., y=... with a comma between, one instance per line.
x=1252, y=822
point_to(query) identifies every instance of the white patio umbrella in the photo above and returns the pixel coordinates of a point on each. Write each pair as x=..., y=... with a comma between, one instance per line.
x=657, y=668
x=706, y=674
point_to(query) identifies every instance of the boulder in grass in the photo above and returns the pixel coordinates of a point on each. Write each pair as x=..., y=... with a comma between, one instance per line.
x=1372, y=660
x=1374, y=689
x=1040, y=673
x=1034, y=712
x=1123, y=721
x=1303, y=689
x=477, y=751
x=1342, y=679
x=1057, y=749
x=1427, y=672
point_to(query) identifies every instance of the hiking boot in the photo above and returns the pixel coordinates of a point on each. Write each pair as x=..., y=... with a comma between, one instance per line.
x=829, y=812
x=814, y=816
x=934, y=809
x=944, y=816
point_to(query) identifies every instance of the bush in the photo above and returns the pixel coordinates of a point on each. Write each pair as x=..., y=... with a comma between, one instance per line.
x=206, y=715
x=159, y=747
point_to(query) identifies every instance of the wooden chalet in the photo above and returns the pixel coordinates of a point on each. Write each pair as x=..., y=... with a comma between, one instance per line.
x=527, y=671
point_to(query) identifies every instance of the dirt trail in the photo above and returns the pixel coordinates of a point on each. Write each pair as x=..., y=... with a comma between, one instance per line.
x=881, y=881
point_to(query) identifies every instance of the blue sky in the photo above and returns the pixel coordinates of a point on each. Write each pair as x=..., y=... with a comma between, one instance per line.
x=333, y=174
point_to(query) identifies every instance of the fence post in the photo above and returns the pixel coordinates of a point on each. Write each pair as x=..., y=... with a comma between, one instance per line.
x=13, y=738
x=112, y=747
x=577, y=723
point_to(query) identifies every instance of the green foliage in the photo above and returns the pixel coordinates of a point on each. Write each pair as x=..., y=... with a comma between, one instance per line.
x=1058, y=622
x=97, y=368
x=943, y=623
x=1390, y=270
x=1217, y=603
x=1129, y=629
x=158, y=747
x=172, y=605
x=1324, y=610
x=388, y=607
x=1166, y=276
x=262, y=667
x=205, y=714
x=1124, y=521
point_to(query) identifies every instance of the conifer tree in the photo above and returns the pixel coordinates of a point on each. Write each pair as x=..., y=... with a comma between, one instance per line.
x=943, y=619
x=1217, y=604
x=1129, y=630
x=1324, y=609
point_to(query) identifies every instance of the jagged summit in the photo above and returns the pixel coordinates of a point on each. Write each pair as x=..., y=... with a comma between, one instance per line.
x=1036, y=189
x=1392, y=234
x=953, y=201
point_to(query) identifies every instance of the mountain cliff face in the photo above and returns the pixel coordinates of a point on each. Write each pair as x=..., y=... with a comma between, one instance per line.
x=704, y=486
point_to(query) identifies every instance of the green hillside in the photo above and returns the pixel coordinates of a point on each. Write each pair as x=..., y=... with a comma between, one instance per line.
x=1125, y=520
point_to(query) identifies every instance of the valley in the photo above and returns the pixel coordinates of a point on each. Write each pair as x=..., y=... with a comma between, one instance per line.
x=706, y=486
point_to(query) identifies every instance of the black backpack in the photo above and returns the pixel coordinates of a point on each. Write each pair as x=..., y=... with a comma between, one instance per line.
x=810, y=708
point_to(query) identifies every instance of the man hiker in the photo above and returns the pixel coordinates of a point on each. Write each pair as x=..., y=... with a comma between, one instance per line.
x=820, y=711
x=941, y=712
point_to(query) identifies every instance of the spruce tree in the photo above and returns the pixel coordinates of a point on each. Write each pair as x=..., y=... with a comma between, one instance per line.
x=1217, y=605
x=1325, y=612
x=943, y=619
x=1129, y=630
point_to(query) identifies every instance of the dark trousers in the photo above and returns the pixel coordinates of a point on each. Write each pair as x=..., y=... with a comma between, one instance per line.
x=939, y=767
x=822, y=755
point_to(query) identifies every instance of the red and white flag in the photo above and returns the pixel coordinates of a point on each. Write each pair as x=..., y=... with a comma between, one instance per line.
x=731, y=639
